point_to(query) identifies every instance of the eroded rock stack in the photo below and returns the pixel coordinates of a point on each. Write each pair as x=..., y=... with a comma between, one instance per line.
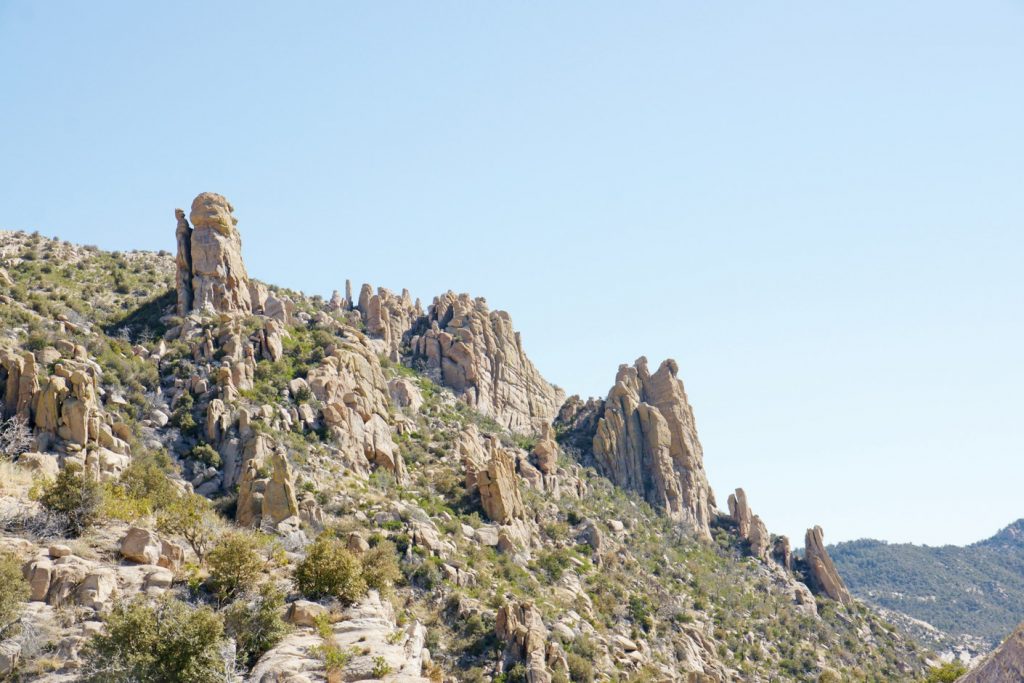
x=388, y=317
x=751, y=528
x=646, y=441
x=822, y=573
x=477, y=353
x=210, y=271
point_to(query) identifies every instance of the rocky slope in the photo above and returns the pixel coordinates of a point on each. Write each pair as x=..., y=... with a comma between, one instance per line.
x=374, y=491
x=961, y=600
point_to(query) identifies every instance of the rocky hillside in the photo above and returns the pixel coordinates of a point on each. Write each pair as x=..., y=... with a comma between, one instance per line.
x=209, y=478
x=972, y=595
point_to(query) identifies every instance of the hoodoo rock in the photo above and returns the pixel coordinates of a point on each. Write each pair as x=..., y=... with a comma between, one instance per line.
x=477, y=353
x=646, y=441
x=210, y=271
x=751, y=528
x=823, y=575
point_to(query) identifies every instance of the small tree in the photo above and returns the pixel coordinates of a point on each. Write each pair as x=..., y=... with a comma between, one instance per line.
x=235, y=564
x=191, y=517
x=14, y=592
x=164, y=642
x=256, y=624
x=945, y=673
x=75, y=496
x=330, y=570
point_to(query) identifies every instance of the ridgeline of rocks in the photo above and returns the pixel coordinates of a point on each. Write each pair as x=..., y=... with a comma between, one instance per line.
x=525, y=536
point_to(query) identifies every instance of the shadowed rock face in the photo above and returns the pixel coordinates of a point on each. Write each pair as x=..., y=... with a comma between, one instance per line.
x=751, y=528
x=477, y=353
x=646, y=441
x=824, y=577
x=1005, y=664
x=210, y=272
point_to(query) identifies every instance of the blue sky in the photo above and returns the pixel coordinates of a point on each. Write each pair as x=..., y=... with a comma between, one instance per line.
x=816, y=208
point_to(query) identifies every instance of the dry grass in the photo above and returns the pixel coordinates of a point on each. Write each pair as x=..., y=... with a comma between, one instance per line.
x=14, y=480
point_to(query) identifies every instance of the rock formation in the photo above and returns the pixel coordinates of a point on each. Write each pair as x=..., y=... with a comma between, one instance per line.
x=822, y=574
x=388, y=317
x=1004, y=664
x=646, y=441
x=751, y=528
x=477, y=353
x=490, y=471
x=210, y=272
x=521, y=627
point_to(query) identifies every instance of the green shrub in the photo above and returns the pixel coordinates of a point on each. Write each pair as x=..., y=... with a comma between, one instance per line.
x=206, y=454
x=330, y=570
x=191, y=517
x=256, y=624
x=146, y=479
x=580, y=669
x=164, y=642
x=75, y=496
x=235, y=564
x=14, y=592
x=945, y=673
x=380, y=566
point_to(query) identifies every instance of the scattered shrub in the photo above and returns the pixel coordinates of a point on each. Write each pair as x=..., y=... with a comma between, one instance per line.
x=380, y=566
x=13, y=592
x=75, y=496
x=191, y=517
x=206, y=454
x=235, y=564
x=164, y=642
x=330, y=570
x=256, y=624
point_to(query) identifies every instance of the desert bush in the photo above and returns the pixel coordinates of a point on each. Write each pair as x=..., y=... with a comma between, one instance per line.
x=945, y=673
x=163, y=642
x=146, y=478
x=380, y=566
x=255, y=624
x=206, y=454
x=13, y=592
x=330, y=570
x=235, y=564
x=75, y=496
x=191, y=517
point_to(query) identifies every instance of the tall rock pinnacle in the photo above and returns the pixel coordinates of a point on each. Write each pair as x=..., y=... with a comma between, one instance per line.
x=646, y=441
x=823, y=574
x=211, y=273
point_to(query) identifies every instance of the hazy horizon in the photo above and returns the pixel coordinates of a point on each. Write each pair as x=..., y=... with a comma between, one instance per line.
x=815, y=210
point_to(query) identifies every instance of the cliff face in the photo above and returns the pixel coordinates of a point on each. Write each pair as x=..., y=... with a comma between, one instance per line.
x=478, y=353
x=646, y=441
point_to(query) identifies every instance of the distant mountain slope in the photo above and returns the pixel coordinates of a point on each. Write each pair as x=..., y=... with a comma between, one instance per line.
x=975, y=590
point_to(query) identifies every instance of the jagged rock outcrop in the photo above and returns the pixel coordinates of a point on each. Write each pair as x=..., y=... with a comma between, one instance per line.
x=750, y=527
x=822, y=574
x=521, y=627
x=210, y=271
x=354, y=392
x=477, y=353
x=388, y=316
x=64, y=405
x=1004, y=665
x=646, y=441
x=490, y=472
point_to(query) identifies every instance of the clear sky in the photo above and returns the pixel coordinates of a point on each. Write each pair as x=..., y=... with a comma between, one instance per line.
x=816, y=208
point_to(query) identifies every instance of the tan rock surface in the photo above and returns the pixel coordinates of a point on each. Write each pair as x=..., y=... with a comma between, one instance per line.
x=646, y=441
x=477, y=353
x=824, y=577
x=219, y=281
x=1004, y=665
